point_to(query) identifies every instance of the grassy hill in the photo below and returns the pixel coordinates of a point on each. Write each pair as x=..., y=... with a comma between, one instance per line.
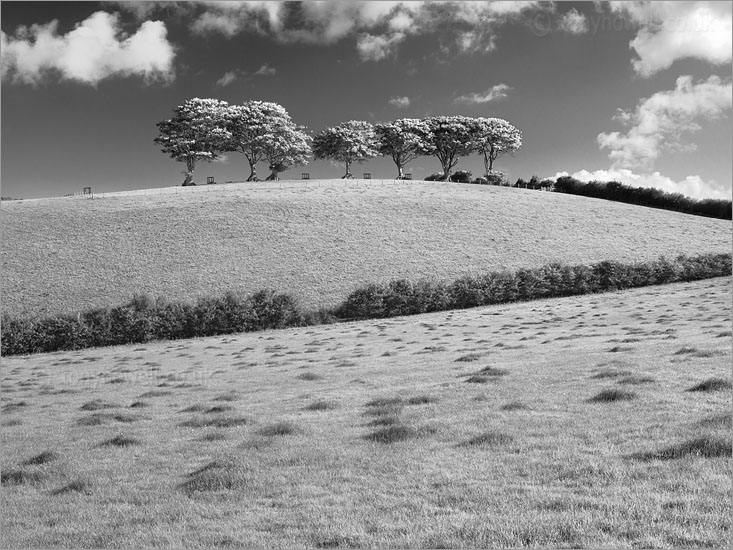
x=583, y=422
x=316, y=242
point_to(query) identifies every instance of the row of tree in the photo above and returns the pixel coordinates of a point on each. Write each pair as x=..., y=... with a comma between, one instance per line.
x=204, y=129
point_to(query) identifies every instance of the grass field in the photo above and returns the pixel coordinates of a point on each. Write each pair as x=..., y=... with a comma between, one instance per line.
x=599, y=420
x=317, y=243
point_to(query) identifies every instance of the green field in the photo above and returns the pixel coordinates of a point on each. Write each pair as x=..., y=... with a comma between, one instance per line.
x=556, y=423
x=317, y=243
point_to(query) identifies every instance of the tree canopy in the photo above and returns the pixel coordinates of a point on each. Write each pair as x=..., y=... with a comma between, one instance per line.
x=253, y=125
x=404, y=140
x=493, y=137
x=349, y=142
x=196, y=132
x=450, y=139
x=288, y=145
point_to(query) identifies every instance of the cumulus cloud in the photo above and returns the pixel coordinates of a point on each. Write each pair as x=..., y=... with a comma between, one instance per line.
x=669, y=31
x=498, y=91
x=377, y=47
x=573, y=22
x=691, y=186
x=96, y=49
x=400, y=102
x=660, y=121
x=380, y=26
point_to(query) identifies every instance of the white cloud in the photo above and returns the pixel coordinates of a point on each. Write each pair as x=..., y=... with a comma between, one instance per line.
x=380, y=26
x=660, y=121
x=400, y=102
x=228, y=78
x=573, y=22
x=692, y=186
x=677, y=30
x=96, y=49
x=237, y=74
x=377, y=47
x=498, y=91
x=266, y=70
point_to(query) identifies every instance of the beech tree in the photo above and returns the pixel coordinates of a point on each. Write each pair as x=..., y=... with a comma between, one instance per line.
x=494, y=137
x=197, y=132
x=287, y=146
x=253, y=126
x=404, y=140
x=349, y=142
x=450, y=139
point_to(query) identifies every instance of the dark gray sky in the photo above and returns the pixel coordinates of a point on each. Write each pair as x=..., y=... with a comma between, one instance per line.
x=641, y=93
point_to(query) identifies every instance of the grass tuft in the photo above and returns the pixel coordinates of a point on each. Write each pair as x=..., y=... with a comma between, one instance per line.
x=216, y=422
x=219, y=475
x=139, y=404
x=705, y=447
x=716, y=421
x=489, y=439
x=121, y=441
x=156, y=393
x=635, y=380
x=468, y=358
x=21, y=477
x=609, y=396
x=322, y=405
x=392, y=434
x=309, y=376
x=43, y=458
x=384, y=401
x=478, y=379
x=279, y=428
x=514, y=406
x=97, y=405
x=611, y=374
x=493, y=371
x=228, y=397
x=214, y=436
x=712, y=384
x=77, y=486
x=422, y=400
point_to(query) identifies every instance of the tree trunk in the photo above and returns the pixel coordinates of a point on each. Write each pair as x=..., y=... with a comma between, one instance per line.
x=400, y=172
x=488, y=163
x=273, y=176
x=190, y=165
x=253, y=172
x=347, y=175
x=446, y=171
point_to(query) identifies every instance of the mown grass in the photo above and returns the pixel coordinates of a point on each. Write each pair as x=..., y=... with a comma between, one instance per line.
x=251, y=240
x=395, y=451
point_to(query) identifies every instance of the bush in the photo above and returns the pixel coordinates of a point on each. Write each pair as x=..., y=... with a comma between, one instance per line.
x=495, y=177
x=143, y=319
x=436, y=176
x=481, y=181
x=461, y=176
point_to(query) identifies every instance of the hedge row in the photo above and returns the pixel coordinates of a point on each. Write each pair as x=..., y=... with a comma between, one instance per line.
x=144, y=319
x=645, y=196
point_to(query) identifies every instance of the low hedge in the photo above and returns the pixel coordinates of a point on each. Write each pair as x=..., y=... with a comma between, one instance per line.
x=144, y=319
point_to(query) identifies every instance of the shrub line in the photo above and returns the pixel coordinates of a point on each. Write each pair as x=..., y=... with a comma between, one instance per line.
x=144, y=319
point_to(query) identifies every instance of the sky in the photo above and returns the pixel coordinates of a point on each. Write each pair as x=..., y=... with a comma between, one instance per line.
x=636, y=92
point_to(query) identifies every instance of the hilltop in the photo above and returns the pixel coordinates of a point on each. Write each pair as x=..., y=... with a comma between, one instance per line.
x=317, y=241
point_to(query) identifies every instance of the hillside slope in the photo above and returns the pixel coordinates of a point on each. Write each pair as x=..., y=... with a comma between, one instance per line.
x=318, y=243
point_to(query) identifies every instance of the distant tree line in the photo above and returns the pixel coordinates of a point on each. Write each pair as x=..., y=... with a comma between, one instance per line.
x=144, y=319
x=205, y=129
x=645, y=196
